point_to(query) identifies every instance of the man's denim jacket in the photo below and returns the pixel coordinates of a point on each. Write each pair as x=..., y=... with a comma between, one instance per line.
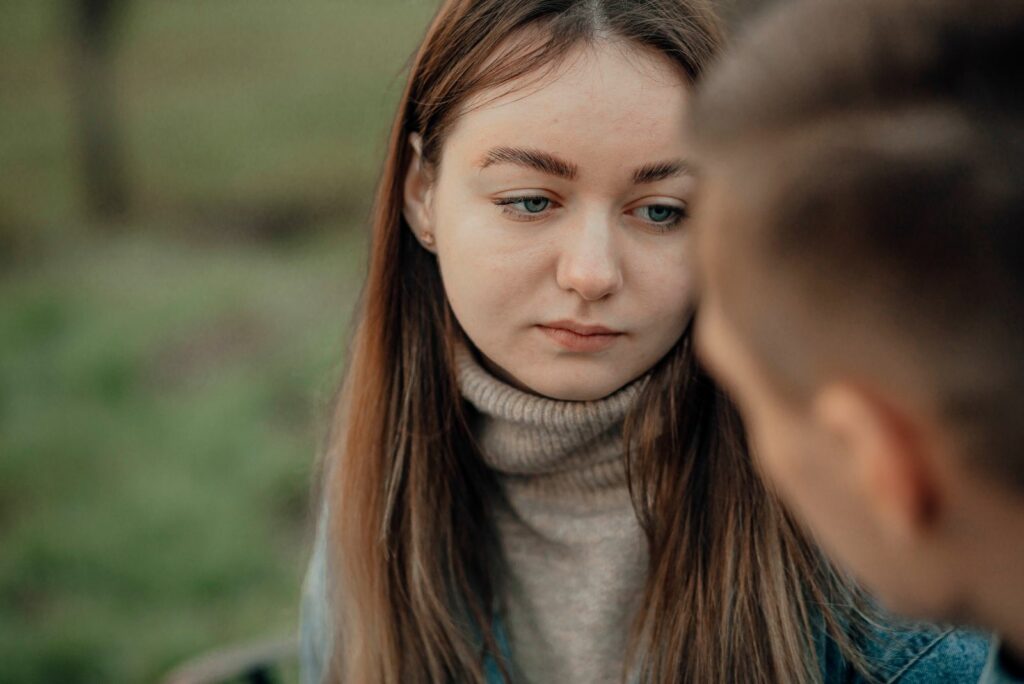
x=918, y=655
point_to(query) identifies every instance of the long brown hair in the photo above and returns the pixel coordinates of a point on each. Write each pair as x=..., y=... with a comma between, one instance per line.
x=733, y=588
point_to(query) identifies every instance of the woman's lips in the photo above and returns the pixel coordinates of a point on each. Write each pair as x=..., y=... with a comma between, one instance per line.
x=578, y=337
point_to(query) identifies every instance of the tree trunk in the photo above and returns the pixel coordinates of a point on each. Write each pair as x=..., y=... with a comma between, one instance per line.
x=103, y=171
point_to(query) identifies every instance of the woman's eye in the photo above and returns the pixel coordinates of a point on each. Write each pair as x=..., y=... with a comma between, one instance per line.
x=663, y=215
x=660, y=213
x=524, y=206
x=529, y=205
x=535, y=205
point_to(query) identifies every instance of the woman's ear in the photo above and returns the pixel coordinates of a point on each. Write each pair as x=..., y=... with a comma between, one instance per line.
x=417, y=194
x=895, y=476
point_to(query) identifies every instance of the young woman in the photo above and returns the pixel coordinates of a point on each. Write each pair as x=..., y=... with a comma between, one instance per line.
x=528, y=477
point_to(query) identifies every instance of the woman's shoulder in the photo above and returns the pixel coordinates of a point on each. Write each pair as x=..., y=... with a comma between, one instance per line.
x=315, y=630
x=916, y=654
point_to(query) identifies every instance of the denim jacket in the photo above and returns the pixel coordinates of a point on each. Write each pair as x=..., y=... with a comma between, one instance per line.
x=912, y=655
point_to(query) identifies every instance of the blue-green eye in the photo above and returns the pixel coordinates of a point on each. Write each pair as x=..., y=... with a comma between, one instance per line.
x=661, y=213
x=660, y=217
x=525, y=206
x=533, y=205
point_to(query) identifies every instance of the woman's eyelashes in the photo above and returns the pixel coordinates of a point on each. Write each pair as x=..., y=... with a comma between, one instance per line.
x=659, y=216
x=525, y=208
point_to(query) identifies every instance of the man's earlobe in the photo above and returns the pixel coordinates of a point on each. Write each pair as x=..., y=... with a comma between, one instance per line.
x=416, y=195
x=894, y=474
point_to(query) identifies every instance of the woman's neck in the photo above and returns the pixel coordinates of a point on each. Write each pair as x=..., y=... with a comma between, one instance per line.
x=562, y=444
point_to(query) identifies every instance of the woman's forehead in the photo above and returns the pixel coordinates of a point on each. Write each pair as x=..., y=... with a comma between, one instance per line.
x=604, y=98
x=587, y=68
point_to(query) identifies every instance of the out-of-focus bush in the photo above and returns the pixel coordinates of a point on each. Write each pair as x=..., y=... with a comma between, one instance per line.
x=162, y=374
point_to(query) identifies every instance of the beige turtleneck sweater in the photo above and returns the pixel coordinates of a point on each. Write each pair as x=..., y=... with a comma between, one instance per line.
x=574, y=557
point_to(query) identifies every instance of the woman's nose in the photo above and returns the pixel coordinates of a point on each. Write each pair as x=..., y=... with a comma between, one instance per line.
x=589, y=264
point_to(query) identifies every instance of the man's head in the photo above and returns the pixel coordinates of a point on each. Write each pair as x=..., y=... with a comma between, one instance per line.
x=860, y=233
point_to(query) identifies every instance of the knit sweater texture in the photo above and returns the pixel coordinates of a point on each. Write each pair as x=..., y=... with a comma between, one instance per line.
x=573, y=556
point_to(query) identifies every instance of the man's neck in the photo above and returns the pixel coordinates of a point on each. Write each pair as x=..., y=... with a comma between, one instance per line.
x=992, y=552
x=1012, y=659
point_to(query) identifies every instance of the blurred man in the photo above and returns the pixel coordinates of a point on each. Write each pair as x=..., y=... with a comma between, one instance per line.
x=860, y=238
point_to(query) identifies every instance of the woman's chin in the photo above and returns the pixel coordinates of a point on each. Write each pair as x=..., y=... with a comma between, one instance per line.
x=575, y=388
x=556, y=375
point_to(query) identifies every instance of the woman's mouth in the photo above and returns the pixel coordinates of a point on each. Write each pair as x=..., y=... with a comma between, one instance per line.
x=580, y=337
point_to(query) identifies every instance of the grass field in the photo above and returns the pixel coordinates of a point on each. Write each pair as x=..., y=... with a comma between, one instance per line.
x=162, y=380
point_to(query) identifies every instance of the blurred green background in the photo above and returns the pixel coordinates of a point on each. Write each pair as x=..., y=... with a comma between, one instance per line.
x=165, y=362
x=183, y=196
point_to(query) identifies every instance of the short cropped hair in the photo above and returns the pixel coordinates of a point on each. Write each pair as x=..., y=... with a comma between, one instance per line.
x=877, y=151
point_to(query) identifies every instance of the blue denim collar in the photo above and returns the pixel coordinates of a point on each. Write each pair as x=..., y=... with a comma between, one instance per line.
x=901, y=653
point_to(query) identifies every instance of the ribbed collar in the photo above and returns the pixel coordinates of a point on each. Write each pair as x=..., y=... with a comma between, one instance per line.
x=560, y=444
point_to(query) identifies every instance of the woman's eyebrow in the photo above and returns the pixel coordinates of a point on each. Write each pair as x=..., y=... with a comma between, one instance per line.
x=531, y=159
x=545, y=162
x=651, y=173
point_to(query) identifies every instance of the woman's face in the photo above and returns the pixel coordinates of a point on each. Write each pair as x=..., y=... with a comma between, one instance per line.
x=558, y=216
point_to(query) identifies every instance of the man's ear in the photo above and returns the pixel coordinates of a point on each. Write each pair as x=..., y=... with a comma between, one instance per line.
x=417, y=194
x=895, y=473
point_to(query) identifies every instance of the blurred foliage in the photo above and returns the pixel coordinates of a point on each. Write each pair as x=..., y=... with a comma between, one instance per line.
x=163, y=380
x=226, y=104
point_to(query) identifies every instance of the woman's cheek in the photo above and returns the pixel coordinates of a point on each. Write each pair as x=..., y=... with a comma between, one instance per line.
x=498, y=270
x=477, y=292
x=664, y=285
